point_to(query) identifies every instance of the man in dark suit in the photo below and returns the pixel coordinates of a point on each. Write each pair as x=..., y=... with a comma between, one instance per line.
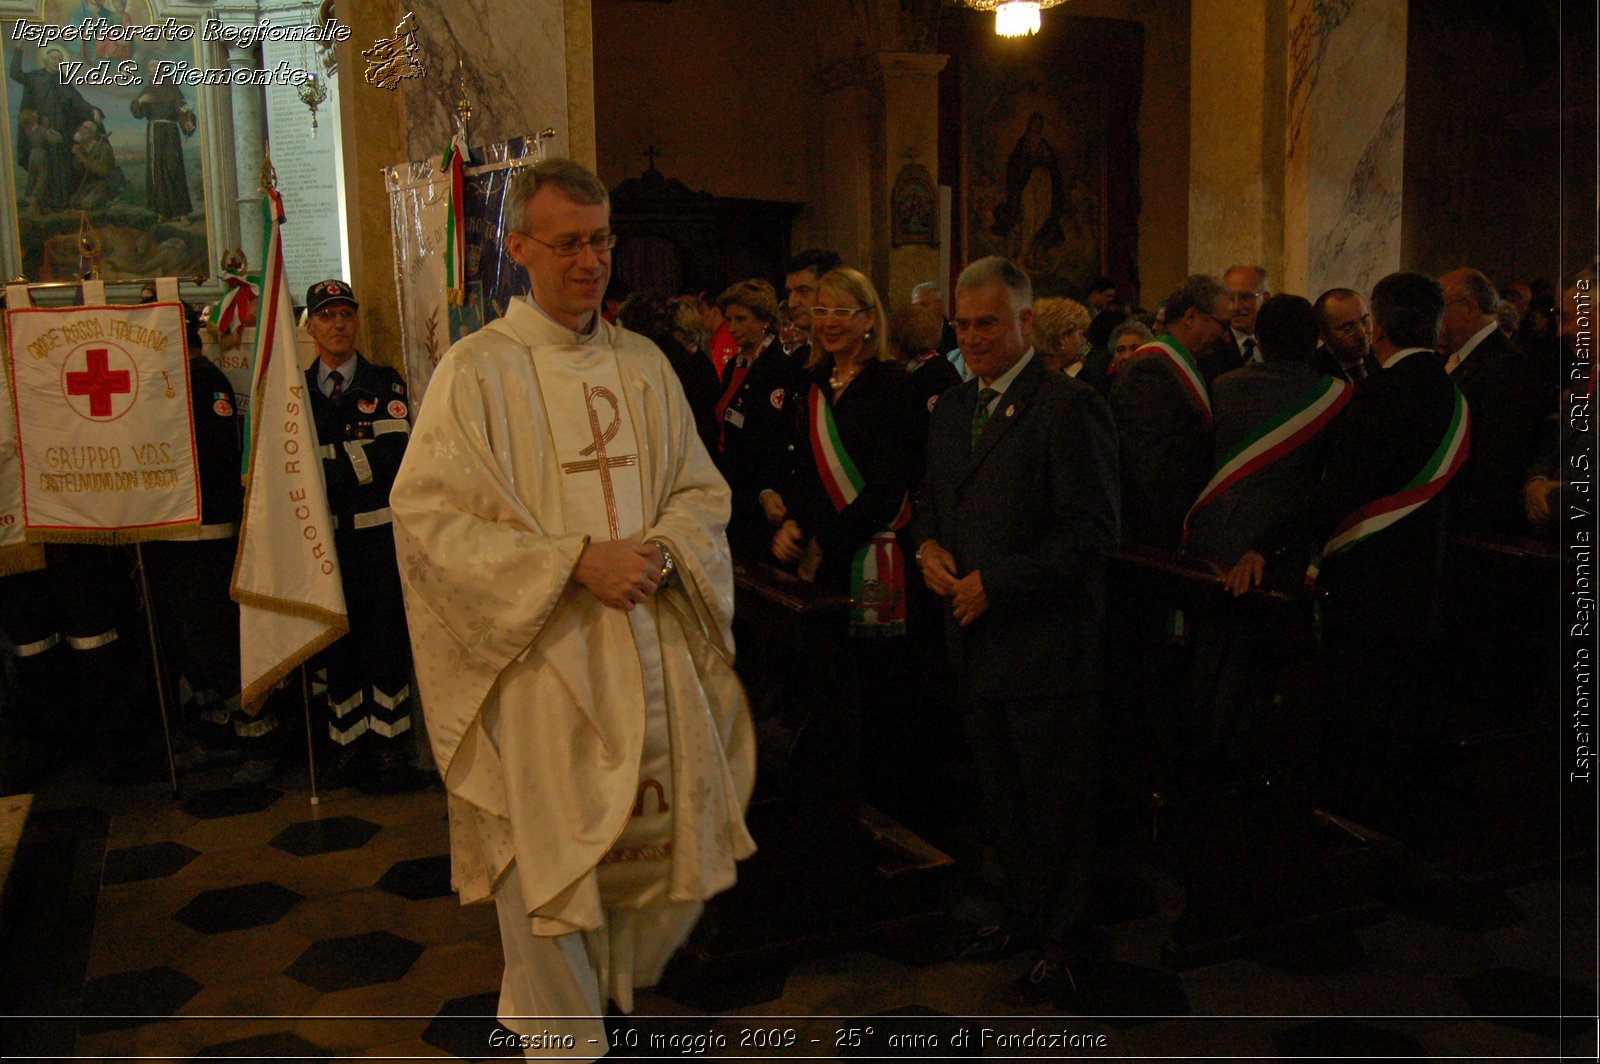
x=1014, y=519
x=363, y=423
x=1381, y=548
x=1162, y=408
x=1239, y=347
x=1238, y=652
x=1344, y=350
x=1501, y=390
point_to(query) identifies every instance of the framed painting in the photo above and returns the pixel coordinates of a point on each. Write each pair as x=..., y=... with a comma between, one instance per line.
x=1049, y=161
x=98, y=131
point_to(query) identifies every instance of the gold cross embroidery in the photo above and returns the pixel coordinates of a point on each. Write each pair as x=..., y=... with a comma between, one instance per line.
x=602, y=463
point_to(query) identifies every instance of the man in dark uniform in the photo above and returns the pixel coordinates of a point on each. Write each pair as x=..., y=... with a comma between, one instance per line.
x=362, y=412
x=189, y=578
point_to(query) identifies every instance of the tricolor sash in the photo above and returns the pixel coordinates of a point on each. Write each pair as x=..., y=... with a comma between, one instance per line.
x=1184, y=366
x=1379, y=514
x=878, y=571
x=1290, y=426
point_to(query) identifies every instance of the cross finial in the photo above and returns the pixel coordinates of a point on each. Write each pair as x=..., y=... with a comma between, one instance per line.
x=651, y=153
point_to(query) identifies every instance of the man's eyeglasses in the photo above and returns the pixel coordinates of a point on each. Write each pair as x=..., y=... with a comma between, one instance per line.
x=841, y=313
x=987, y=323
x=573, y=246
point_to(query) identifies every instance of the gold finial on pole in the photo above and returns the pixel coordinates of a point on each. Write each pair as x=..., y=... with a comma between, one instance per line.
x=89, y=247
x=269, y=176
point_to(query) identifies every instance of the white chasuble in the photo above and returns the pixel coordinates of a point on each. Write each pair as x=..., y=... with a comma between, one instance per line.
x=555, y=719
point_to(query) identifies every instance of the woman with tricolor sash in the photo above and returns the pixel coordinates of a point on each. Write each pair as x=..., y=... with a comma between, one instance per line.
x=850, y=490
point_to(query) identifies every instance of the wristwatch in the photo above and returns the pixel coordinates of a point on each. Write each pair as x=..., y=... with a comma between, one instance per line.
x=669, y=566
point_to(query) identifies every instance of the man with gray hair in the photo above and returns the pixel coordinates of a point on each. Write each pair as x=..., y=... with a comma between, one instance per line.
x=1016, y=514
x=1162, y=406
x=1239, y=347
x=1501, y=389
x=927, y=294
x=569, y=592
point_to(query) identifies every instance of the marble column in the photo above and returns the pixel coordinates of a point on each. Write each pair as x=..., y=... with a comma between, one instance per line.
x=1235, y=134
x=911, y=138
x=1345, y=134
x=248, y=133
x=374, y=125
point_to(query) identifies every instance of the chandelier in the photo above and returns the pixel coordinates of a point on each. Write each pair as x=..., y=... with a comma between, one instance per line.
x=1013, y=18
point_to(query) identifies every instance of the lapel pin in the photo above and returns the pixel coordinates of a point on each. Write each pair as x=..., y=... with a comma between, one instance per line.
x=1011, y=411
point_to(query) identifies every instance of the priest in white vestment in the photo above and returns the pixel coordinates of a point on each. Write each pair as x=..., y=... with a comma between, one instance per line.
x=560, y=531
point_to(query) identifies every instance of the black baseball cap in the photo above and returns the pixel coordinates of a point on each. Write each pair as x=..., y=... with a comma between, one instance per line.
x=322, y=293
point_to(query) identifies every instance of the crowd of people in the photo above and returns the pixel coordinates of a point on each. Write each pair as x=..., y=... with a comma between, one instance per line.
x=964, y=482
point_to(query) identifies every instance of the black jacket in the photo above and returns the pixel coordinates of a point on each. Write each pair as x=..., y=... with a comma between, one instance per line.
x=363, y=434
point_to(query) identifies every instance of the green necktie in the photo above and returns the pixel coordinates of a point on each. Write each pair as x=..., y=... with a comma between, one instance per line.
x=980, y=416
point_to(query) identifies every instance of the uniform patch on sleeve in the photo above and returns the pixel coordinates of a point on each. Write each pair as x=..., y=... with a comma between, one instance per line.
x=221, y=407
x=933, y=401
x=397, y=408
x=776, y=398
x=399, y=387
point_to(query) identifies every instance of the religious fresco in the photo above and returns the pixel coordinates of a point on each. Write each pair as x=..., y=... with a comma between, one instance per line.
x=1049, y=164
x=126, y=152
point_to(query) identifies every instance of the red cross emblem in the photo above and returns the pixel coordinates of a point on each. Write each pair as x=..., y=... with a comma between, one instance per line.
x=100, y=383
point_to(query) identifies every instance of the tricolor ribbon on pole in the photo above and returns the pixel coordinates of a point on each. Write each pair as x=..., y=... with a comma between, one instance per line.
x=1367, y=521
x=237, y=307
x=455, y=236
x=878, y=570
x=1290, y=426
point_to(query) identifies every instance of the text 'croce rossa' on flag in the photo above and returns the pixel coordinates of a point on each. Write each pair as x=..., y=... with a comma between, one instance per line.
x=286, y=576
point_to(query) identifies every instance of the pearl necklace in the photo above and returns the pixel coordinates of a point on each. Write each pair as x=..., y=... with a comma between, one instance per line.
x=837, y=379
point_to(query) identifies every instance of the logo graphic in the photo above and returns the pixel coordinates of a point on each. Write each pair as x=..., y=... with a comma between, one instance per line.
x=776, y=398
x=392, y=60
x=100, y=383
x=397, y=408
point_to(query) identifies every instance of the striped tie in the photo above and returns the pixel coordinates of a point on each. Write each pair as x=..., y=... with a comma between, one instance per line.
x=980, y=416
x=338, y=383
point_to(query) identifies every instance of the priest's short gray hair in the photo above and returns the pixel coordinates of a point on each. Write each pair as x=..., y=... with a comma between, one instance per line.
x=574, y=180
x=1001, y=271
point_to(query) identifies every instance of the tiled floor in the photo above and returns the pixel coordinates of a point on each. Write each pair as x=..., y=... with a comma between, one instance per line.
x=243, y=922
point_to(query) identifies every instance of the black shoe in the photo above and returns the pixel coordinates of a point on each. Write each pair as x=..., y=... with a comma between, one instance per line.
x=990, y=942
x=341, y=766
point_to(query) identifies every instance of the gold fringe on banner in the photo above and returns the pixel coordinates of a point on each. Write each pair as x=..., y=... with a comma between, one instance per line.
x=251, y=697
x=113, y=537
x=21, y=558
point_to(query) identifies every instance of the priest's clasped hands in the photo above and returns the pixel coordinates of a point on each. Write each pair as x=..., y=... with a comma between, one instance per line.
x=620, y=572
x=968, y=601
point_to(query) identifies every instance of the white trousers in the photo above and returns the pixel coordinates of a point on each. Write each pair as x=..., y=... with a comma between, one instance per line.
x=559, y=985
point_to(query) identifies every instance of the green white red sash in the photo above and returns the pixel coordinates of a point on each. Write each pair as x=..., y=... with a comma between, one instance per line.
x=878, y=571
x=1184, y=365
x=1290, y=426
x=455, y=236
x=1379, y=514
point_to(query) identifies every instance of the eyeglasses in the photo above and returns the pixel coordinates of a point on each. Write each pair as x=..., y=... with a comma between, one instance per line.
x=1354, y=325
x=1247, y=297
x=987, y=323
x=841, y=313
x=573, y=246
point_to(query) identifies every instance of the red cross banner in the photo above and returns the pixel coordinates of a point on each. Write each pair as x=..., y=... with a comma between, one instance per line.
x=17, y=555
x=105, y=431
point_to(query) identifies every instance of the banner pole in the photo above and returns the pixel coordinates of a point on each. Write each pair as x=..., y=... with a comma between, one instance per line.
x=311, y=746
x=155, y=654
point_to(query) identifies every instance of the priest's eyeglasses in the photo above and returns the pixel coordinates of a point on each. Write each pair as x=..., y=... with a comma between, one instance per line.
x=842, y=313
x=573, y=246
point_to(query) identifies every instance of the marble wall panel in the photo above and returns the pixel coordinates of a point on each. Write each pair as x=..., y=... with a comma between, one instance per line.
x=512, y=60
x=1345, y=143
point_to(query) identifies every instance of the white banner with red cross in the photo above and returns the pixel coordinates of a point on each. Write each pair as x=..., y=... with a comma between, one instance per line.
x=105, y=431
